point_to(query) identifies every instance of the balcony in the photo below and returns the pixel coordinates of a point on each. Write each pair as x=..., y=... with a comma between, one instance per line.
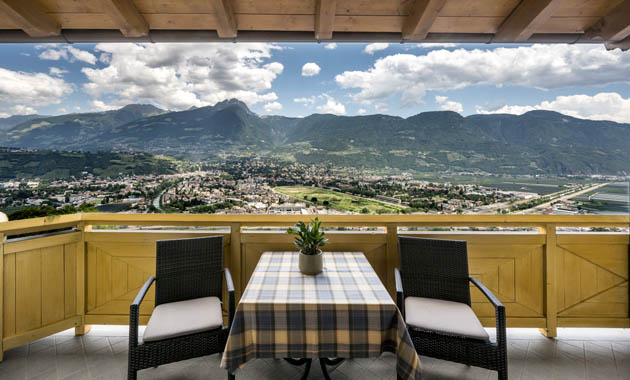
x=80, y=270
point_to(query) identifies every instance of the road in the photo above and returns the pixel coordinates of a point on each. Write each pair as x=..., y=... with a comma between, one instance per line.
x=562, y=198
x=156, y=200
x=554, y=197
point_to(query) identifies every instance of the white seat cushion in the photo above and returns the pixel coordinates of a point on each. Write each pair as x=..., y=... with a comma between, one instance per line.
x=447, y=317
x=174, y=319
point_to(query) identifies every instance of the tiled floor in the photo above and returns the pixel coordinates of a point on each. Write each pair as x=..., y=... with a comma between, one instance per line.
x=102, y=354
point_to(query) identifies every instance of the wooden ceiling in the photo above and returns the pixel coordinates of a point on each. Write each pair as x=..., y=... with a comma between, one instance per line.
x=487, y=21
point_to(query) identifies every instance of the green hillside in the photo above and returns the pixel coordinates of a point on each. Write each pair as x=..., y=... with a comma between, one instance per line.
x=74, y=131
x=44, y=164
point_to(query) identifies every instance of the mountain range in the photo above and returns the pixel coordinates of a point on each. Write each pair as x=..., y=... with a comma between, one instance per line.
x=11, y=121
x=537, y=142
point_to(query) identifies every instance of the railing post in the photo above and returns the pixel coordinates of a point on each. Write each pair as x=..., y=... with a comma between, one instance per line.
x=550, y=286
x=82, y=329
x=1, y=295
x=392, y=257
x=235, y=259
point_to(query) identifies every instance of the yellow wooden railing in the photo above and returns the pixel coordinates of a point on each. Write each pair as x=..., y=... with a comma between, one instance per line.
x=86, y=274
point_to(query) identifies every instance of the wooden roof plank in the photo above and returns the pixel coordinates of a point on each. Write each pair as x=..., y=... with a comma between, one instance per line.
x=325, y=19
x=615, y=26
x=126, y=16
x=225, y=20
x=523, y=22
x=31, y=18
x=623, y=44
x=421, y=18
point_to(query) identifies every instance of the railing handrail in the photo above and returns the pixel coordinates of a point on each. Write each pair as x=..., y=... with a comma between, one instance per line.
x=36, y=224
x=466, y=220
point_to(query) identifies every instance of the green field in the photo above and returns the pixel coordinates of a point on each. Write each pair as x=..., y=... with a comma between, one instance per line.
x=338, y=201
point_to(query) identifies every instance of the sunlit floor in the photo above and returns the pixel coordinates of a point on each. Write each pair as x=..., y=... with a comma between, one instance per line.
x=102, y=354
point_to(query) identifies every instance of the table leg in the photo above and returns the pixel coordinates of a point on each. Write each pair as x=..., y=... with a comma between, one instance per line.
x=323, y=362
x=307, y=368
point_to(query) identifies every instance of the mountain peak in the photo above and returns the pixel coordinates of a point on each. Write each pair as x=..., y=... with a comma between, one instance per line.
x=230, y=102
x=137, y=107
x=545, y=114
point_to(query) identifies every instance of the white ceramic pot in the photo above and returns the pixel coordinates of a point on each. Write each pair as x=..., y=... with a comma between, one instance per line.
x=311, y=264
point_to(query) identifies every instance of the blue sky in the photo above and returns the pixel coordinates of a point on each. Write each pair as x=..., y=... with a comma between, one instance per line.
x=300, y=79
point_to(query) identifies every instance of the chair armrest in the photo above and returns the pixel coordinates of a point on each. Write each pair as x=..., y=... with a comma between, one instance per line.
x=400, y=294
x=499, y=312
x=486, y=292
x=134, y=312
x=231, y=301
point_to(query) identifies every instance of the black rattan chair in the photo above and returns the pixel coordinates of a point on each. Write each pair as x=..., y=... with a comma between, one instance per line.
x=188, y=290
x=433, y=294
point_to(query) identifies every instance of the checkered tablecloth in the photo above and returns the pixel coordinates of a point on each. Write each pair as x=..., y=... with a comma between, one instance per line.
x=344, y=312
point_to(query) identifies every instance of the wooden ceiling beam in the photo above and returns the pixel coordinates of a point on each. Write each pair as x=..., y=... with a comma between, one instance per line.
x=126, y=16
x=324, y=19
x=528, y=16
x=615, y=26
x=424, y=12
x=224, y=14
x=31, y=18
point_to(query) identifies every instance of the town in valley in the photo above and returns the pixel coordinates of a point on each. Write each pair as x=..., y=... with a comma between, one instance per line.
x=262, y=186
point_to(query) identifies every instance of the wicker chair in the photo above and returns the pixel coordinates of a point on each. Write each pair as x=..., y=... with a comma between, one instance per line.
x=187, y=319
x=433, y=294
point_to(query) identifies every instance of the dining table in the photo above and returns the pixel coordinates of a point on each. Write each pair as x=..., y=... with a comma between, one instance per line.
x=342, y=313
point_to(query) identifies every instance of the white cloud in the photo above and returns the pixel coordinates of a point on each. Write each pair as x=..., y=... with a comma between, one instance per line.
x=53, y=55
x=272, y=107
x=539, y=66
x=361, y=111
x=275, y=67
x=310, y=69
x=377, y=46
x=100, y=106
x=179, y=76
x=330, y=46
x=602, y=106
x=57, y=71
x=381, y=107
x=20, y=109
x=69, y=53
x=331, y=106
x=306, y=101
x=82, y=55
x=18, y=87
x=448, y=105
x=431, y=45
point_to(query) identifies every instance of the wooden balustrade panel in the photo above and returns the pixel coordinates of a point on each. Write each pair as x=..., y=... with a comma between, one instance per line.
x=511, y=266
x=118, y=264
x=39, y=286
x=592, y=272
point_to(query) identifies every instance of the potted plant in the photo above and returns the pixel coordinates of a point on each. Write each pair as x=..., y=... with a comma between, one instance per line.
x=309, y=238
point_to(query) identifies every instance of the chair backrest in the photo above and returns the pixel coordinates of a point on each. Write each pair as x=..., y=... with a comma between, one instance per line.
x=188, y=268
x=434, y=268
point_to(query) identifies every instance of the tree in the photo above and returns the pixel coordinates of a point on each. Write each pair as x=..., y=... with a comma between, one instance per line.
x=365, y=210
x=314, y=200
x=326, y=203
